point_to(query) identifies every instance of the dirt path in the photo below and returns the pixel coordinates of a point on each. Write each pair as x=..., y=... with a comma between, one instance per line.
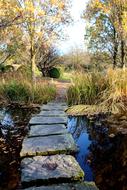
x=61, y=87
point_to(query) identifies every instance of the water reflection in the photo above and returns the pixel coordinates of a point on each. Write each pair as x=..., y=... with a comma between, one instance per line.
x=14, y=122
x=102, y=157
x=78, y=128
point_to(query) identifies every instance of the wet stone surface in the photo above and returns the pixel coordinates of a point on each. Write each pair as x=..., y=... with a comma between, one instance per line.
x=53, y=113
x=53, y=107
x=66, y=186
x=47, y=120
x=48, y=145
x=43, y=130
x=47, y=169
x=58, y=104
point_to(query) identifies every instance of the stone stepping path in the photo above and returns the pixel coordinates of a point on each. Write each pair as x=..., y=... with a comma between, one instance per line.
x=54, y=113
x=48, y=145
x=46, y=130
x=67, y=186
x=53, y=107
x=48, y=169
x=47, y=153
x=48, y=120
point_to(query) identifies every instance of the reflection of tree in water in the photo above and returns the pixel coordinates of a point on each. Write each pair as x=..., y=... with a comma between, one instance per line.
x=107, y=154
x=109, y=158
x=77, y=126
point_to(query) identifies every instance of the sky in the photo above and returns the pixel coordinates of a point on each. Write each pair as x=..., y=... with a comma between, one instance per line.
x=76, y=31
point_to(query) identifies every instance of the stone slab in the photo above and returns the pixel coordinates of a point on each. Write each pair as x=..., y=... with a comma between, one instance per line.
x=67, y=186
x=53, y=113
x=48, y=169
x=45, y=130
x=47, y=120
x=48, y=145
x=53, y=107
x=57, y=103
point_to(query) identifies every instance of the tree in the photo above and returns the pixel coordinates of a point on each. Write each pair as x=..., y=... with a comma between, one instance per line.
x=47, y=58
x=42, y=20
x=107, y=27
x=76, y=59
x=39, y=21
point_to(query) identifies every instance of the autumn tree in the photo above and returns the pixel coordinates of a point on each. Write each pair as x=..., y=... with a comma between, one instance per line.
x=10, y=32
x=106, y=31
x=76, y=59
x=39, y=21
x=48, y=57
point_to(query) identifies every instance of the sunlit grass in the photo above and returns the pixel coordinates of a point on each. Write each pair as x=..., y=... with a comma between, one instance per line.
x=105, y=91
x=19, y=88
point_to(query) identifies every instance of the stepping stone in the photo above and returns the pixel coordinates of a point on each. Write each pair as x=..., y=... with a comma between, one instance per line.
x=46, y=130
x=47, y=120
x=53, y=107
x=68, y=186
x=48, y=145
x=52, y=113
x=48, y=169
x=57, y=103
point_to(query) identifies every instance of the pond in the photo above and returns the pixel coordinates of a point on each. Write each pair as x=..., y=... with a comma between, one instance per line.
x=14, y=120
x=102, y=156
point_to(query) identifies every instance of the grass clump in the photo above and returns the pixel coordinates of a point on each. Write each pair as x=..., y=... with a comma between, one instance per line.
x=104, y=91
x=20, y=89
x=86, y=88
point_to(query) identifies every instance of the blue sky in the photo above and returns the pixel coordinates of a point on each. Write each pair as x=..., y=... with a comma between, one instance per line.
x=76, y=31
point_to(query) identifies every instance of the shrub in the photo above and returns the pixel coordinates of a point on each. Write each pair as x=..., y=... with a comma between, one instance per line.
x=54, y=73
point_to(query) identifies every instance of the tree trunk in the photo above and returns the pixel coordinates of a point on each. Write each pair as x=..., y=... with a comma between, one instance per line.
x=115, y=49
x=122, y=53
x=33, y=67
x=33, y=64
x=115, y=55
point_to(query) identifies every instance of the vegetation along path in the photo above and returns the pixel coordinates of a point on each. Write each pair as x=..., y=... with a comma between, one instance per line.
x=47, y=153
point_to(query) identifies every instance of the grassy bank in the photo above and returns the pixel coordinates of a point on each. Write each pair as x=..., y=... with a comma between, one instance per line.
x=106, y=91
x=19, y=88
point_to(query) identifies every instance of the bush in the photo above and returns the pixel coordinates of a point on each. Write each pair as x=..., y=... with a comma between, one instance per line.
x=54, y=73
x=6, y=68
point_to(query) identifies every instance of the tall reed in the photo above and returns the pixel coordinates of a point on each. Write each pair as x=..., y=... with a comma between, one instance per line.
x=107, y=89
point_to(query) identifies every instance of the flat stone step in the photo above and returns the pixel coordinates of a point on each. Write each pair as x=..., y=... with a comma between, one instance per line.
x=45, y=130
x=48, y=169
x=53, y=107
x=47, y=120
x=68, y=186
x=48, y=145
x=53, y=113
x=57, y=103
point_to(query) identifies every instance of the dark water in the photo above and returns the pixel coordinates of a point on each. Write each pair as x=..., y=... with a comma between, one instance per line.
x=103, y=158
x=13, y=128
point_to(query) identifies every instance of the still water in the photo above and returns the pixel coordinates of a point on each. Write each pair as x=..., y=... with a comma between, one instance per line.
x=13, y=128
x=102, y=158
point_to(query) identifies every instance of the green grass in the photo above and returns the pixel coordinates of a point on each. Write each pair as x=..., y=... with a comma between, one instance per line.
x=18, y=88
